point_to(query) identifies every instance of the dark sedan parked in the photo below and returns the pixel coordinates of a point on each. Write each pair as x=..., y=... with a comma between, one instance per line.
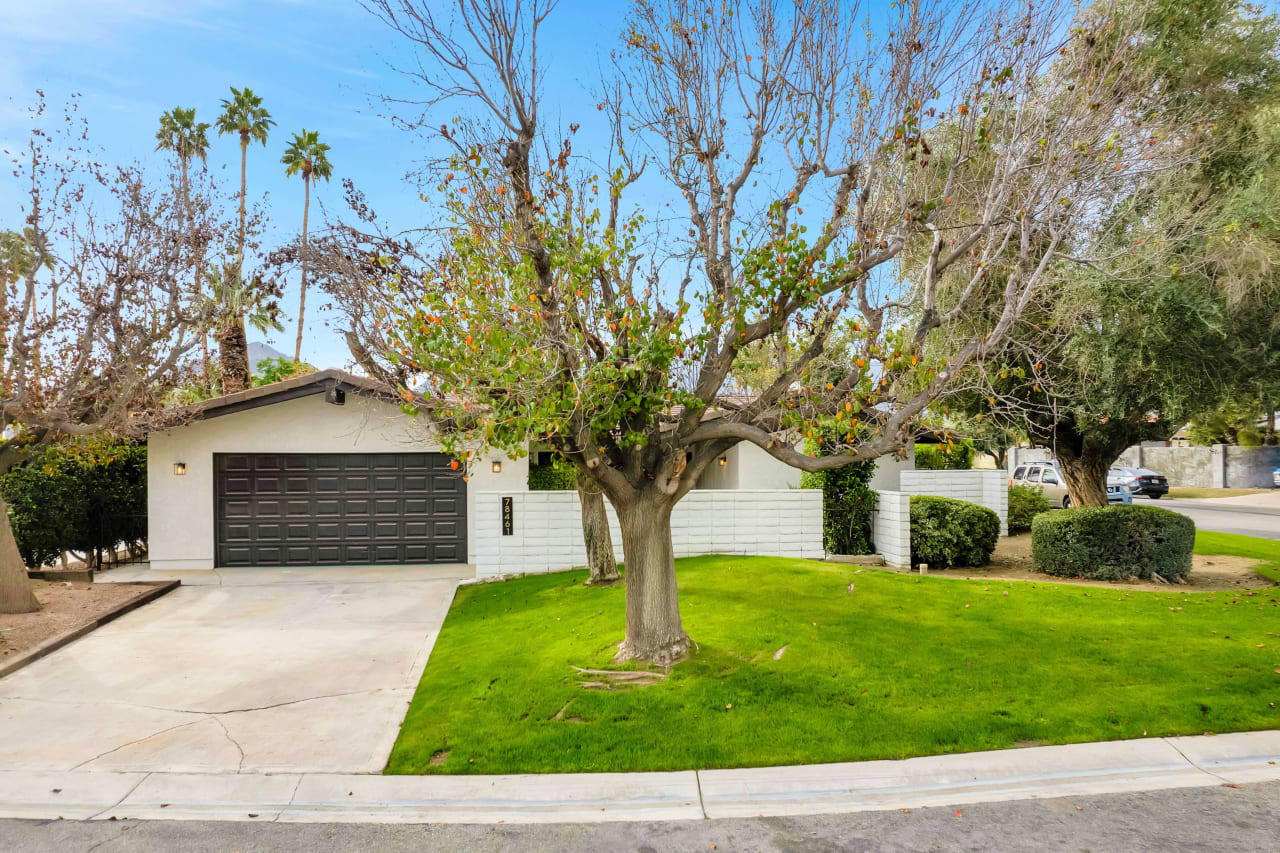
x=1142, y=481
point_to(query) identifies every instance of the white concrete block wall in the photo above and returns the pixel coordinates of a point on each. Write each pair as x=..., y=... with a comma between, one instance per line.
x=983, y=487
x=547, y=528
x=891, y=530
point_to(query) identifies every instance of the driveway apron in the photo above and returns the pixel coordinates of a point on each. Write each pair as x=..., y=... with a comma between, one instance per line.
x=254, y=671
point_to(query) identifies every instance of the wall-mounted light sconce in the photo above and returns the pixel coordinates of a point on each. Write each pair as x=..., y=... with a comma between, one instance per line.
x=724, y=460
x=179, y=468
x=497, y=467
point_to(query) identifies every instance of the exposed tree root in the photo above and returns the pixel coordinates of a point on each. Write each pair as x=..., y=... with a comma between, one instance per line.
x=608, y=679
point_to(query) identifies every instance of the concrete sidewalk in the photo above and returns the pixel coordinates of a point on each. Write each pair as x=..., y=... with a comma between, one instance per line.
x=1014, y=774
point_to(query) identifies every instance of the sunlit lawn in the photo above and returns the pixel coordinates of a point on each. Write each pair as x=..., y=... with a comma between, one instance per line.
x=899, y=666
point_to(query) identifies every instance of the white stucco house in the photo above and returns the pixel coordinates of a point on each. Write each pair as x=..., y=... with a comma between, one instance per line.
x=326, y=469
x=320, y=469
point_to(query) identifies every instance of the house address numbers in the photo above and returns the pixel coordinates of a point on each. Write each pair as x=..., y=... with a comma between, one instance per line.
x=508, y=518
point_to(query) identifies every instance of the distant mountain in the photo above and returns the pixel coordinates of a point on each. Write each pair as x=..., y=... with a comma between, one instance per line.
x=259, y=352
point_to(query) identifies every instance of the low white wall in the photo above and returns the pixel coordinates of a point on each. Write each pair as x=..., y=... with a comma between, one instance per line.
x=985, y=488
x=891, y=528
x=547, y=528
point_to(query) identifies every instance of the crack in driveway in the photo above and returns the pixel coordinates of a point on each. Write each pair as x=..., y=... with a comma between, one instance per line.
x=205, y=713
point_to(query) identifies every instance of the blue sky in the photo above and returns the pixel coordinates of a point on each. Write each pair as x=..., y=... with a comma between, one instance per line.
x=318, y=64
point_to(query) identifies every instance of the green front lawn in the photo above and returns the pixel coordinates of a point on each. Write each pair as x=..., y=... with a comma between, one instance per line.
x=1196, y=492
x=899, y=666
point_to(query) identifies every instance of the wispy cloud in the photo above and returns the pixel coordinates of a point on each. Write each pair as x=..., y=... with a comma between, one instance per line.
x=47, y=22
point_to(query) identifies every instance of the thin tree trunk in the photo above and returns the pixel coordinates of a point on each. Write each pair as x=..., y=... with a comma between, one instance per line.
x=302, y=298
x=244, y=189
x=15, y=589
x=654, y=633
x=601, y=562
x=1085, y=476
x=1270, y=405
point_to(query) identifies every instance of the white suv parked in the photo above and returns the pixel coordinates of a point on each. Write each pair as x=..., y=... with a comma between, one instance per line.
x=1047, y=476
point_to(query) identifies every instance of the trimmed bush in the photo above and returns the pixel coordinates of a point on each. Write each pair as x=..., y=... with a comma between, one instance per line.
x=946, y=532
x=941, y=457
x=1111, y=543
x=847, y=505
x=1025, y=503
x=87, y=498
x=558, y=476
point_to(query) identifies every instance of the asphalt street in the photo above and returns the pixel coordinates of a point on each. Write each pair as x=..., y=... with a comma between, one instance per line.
x=1223, y=818
x=1215, y=515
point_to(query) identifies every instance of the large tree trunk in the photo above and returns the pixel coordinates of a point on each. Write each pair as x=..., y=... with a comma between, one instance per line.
x=1085, y=477
x=233, y=354
x=302, y=298
x=601, y=562
x=15, y=589
x=654, y=634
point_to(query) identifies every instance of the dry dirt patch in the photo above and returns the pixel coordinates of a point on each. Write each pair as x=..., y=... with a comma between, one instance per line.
x=1012, y=561
x=67, y=605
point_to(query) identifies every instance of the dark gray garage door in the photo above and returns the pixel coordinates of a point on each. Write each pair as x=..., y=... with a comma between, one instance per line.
x=276, y=509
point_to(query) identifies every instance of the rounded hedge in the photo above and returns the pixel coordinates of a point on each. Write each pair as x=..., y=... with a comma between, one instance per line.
x=946, y=532
x=1120, y=542
x=1025, y=503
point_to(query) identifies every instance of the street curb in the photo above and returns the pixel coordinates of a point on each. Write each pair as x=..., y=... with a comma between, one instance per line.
x=54, y=643
x=1148, y=764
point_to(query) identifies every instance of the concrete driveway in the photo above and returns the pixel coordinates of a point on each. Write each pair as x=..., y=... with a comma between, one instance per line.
x=244, y=670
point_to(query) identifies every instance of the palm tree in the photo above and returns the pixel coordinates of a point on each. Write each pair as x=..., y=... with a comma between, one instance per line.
x=188, y=139
x=244, y=115
x=233, y=299
x=308, y=155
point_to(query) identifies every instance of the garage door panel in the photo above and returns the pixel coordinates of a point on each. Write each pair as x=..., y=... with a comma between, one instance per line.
x=323, y=530
x=297, y=484
x=444, y=529
x=443, y=553
x=328, y=507
x=332, y=509
x=269, y=532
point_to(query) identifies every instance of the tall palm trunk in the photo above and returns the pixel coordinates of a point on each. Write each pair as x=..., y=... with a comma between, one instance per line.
x=233, y=353
x=197, y=287
x=302, y=298
x=244, y=158
x=233, y=344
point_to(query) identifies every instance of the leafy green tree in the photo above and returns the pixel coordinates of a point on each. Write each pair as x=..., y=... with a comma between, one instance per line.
x=1234, y=421
x=1181, y=312
x=279, y=369
x=244, y=117
x=798, y=173
x=306, y=156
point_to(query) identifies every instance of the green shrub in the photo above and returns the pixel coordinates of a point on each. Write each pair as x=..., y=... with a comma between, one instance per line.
x=946, y=532
x=85, y=498
x=557, y=476
x=1025, y=503
x=847, y=505
x=1113, y=543
x=942, y=457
